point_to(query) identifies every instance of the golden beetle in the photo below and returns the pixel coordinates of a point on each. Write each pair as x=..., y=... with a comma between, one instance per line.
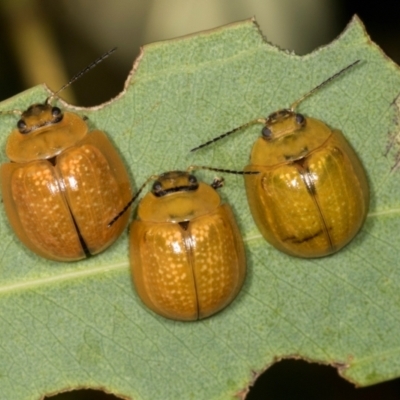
x=311, y=196
x=186, y=252
x=63, y=183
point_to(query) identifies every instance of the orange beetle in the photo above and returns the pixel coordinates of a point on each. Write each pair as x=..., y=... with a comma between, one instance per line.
x=186, y=252
x=311, y=196
x=63, y=183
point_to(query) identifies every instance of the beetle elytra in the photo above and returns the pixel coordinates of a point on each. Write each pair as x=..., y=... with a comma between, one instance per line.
x=186, y=252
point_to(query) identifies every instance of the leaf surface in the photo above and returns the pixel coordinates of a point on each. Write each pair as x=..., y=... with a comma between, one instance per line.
x=69, y=325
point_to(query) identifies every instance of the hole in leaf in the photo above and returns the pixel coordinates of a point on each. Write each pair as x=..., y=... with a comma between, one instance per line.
x=83, y=394
x=297, y=379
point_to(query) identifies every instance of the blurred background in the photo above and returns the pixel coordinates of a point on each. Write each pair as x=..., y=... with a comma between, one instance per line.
x=49, y=41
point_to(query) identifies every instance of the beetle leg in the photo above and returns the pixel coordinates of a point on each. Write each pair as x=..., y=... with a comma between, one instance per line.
x=217, y=183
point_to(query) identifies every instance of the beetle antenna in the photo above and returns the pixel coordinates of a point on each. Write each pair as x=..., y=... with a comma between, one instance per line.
x=292, y=108
x=82, y=72
x=326, y=81
x=135, y=196
x=259, y=120
x=228, y=171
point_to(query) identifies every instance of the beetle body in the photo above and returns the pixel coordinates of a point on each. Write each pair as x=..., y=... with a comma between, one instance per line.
x=311, y=196
x=187, y=255
x=63, y=184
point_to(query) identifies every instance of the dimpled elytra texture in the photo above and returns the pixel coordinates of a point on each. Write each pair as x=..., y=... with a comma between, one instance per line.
x=56, y=206
x=42, y=209
x=92, y=192
x=214, y=262
x=167, y=275
x=188, y=271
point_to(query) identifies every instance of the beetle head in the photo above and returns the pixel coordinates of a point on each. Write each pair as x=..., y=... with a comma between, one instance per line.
x=282, y=123
x=174, y=181
x=37, y=116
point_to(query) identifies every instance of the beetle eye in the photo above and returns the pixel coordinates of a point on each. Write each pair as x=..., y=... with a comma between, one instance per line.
x=192, y=179
x=56, y=112
x=157, y=186
x=300, y=119
x=21, y=125
x=266, y=133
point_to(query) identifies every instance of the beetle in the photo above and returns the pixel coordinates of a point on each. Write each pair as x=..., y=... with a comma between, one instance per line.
x=63, y=183
x=312, y=195
x=186, y=252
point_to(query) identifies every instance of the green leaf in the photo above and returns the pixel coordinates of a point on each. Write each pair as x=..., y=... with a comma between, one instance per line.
x=69, y=325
